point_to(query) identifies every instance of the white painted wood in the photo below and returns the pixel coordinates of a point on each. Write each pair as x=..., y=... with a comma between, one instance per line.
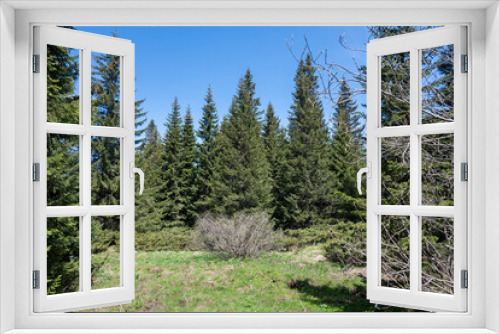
x=414, y=43
x=86, y=297
x=7, y=167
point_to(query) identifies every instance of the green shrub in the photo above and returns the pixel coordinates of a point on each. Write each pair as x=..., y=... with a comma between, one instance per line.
x=316, y=234
x=171, y=238
x=347, y=245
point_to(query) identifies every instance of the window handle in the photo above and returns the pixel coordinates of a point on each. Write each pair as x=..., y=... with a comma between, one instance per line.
x=368, y=171
x=134, y=170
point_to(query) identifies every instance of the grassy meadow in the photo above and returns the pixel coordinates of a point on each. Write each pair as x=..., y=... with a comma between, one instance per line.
x=197, y=281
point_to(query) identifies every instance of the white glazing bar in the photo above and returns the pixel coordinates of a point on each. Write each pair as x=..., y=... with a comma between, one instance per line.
x=392, y=210
x=109, y=210
x=75, y=129
x=414, y=169
x=87, y=169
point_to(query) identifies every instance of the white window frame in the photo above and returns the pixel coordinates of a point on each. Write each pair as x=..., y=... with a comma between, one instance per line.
x=85, y=43
x=414, y=43
x=484, y=103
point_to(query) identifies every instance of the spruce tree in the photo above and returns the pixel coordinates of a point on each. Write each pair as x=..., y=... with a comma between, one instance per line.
x=309, y=187
x=347, y=155
x=63, y=163
x=148, y=205
x=242, y=179
x=188, y=170
x=171, y=188
x=207, y=153
x=275, y=144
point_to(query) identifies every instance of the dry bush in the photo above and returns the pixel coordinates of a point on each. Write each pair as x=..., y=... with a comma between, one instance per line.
x=243, y=235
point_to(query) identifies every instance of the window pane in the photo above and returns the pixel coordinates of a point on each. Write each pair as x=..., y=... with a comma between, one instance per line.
x=437, y=255
x=63, y=95
x=105, y=252
x=437, y=169
x=105, y=89
x=105, y=171
x=63, y=255
x=395, y=89
x=437, y=84
x=395, y=171
x=63, y=170
x=395, y=252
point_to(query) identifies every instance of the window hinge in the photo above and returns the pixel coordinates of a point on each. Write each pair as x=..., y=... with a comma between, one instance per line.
x=464, y=167
x=464, y=279
x=465, y=63
x=36, y=172
x=36, y=279
x=36, y=63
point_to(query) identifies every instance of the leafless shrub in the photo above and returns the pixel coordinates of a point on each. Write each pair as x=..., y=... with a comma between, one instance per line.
x=243, y=235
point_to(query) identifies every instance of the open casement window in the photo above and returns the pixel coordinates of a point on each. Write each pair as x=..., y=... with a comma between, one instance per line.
x=83, y=165
x=416, y=145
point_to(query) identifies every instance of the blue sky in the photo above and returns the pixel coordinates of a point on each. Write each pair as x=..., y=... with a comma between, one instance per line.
x=184, y=61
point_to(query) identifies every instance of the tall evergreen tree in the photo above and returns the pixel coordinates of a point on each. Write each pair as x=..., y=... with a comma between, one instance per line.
x=148, y=205
x=207, y=153
x=275, y=144
x=171, y=188
x=242, y=180
x=347, y=155
x=62, y=171
x=310, y=186
x=188, y=169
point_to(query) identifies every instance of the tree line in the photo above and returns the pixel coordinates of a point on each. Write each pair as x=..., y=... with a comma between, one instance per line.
x=302, y=175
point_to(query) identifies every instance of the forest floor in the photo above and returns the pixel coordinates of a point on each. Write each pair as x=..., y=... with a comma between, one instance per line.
x=193, y=281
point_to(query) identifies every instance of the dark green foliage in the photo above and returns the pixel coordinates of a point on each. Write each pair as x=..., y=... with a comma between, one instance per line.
x=168, y=239
x=242, y=179
x=171, y=187
x=62, y=172
x=275, y=144
x=188, y=170
x=348, y=156
x=207, y=154
x=309, y=183
x=298, y=238
x=62, y=71
x=347, y=245
x=148, y=210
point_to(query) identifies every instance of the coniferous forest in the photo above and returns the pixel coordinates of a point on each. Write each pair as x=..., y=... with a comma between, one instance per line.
x=299, y=179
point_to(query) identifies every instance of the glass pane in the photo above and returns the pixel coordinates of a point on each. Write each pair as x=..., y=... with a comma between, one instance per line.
x=63, y=255
x=63, y=170
x=105, y=252
x=395, y=177
x=437, y=84
x=437, y=255
x=437, y=169
x=395, y=89
x=105, y=171
x=105, y=89
x=63, y=94
x=395, y=252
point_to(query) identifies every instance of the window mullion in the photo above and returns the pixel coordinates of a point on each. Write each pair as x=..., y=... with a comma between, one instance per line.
x=415, y=166
x=86, y=173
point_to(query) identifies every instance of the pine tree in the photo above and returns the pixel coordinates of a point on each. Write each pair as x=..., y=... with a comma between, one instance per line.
x=188, y=170
x=347, y=155
x=309, y=190
x=207, y=154
x=275, y=144
x=148, y=205
x=63, y=163
x=242, y=179
x=171, y=188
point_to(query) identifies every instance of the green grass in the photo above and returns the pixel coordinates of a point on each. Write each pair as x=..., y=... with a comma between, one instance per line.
x=189, y=281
